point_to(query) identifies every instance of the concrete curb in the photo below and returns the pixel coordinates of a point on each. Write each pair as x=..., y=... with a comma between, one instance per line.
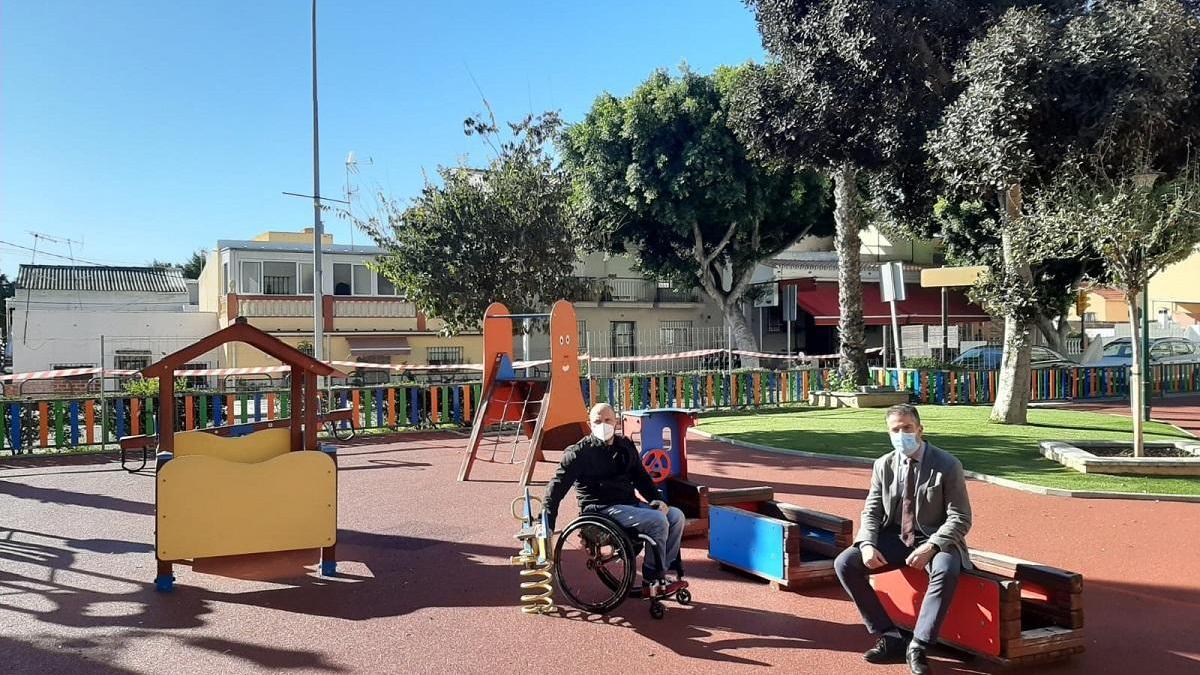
x=984, y=477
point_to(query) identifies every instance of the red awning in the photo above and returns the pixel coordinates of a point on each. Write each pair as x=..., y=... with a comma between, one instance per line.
x=923, y=306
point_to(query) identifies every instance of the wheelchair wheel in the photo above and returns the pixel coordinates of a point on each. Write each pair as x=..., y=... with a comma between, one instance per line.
x=594, y=564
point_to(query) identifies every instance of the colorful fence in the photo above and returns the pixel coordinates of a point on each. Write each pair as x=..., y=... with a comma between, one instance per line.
x=31, y=425
x=978, y=387
x=37, y=425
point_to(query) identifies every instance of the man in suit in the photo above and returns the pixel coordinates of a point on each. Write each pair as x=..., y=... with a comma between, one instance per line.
x=917, y=514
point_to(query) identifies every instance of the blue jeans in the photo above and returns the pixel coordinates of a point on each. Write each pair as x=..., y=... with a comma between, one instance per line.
x=666, y=529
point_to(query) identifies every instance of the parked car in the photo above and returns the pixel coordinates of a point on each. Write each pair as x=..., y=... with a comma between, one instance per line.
x=1119, y=352
x=988, y=357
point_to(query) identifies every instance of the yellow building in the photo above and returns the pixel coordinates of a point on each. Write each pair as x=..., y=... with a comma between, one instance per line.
x=1176, y=291
x=1173, y=293
x=269, y=280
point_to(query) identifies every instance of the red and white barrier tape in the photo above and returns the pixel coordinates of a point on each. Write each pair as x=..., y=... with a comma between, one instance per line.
x=653, y=357
x=257, y=370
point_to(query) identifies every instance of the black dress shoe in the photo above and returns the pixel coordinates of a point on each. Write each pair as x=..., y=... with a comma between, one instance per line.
x=917, y=663
x=888, y=649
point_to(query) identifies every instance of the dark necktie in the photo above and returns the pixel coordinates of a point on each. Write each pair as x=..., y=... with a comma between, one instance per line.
x=908, y=506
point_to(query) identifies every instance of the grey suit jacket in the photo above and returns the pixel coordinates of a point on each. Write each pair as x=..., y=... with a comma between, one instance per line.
x=943, y=508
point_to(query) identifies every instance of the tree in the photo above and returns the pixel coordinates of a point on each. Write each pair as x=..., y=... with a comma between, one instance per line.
x=190, y=269
x=504, y=233
x=853, y=88
x=195, y=265
x=1042, y=93
x=1137, y=230
x=660, y=174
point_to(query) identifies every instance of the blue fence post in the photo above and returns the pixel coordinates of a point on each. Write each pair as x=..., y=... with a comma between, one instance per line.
x=378, y=407
x=257, y=407
x=120, y=403
x=14, y=427
x=415, y=401
x=218, y=411
x=456, y=410
x=73, y=411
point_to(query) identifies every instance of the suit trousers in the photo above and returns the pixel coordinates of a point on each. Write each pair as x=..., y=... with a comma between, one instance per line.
x=943, y=573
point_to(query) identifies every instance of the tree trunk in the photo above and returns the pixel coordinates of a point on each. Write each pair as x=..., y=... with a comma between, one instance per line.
x=1135, y=372
x=848, y=219
x=1056, y=337
x=743, y=335
x=1012, y=391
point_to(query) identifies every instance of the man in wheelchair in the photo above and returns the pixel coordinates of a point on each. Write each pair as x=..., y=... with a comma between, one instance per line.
x=606, y=470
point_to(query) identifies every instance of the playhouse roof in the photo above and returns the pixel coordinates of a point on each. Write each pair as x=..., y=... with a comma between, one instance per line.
x=240, y=331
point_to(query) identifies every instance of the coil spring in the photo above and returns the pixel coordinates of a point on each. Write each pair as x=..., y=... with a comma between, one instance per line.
x=538, y=588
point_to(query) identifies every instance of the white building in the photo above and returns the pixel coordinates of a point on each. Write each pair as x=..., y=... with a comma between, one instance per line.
x=61, y=314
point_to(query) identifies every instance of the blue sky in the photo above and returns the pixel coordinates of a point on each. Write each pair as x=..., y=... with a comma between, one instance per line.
x=149, y=129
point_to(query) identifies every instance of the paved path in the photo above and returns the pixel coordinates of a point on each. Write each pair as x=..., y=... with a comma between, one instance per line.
x=1183, y=412
x=427, y=587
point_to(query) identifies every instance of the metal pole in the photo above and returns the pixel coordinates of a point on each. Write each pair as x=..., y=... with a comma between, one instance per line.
x=896, y=336
x=789, y=343
x=526, y=326
x=103, y=401
x=886, y=353
x=318, y=290
x=1147, y=371
x=729, y=348
x=945, y=329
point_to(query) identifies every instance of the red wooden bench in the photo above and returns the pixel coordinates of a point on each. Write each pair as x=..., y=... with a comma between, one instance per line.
x=1006, y=610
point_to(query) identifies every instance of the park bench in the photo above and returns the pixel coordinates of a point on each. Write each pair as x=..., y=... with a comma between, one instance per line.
x=1006, y=610
x=789, y=546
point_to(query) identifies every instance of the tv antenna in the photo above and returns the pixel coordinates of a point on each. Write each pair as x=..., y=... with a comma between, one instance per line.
x=352, y=168
x=40, y=236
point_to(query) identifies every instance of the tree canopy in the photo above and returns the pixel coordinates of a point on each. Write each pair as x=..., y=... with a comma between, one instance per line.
x=853, y=87
x=502, y=233
x=190, y=269
x=660, y=174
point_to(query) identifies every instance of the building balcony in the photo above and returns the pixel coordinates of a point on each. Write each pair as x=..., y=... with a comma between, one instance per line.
x=350, y=310
x=627, y=291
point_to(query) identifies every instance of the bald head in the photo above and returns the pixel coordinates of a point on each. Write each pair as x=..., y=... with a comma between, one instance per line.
x=602, y=413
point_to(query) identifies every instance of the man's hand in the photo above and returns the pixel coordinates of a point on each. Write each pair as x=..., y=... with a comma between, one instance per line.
x=871, y=557
x=921, y=556
x=659, y=505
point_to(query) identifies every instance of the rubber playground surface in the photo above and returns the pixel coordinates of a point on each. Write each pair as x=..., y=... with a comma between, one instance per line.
x=426, y=588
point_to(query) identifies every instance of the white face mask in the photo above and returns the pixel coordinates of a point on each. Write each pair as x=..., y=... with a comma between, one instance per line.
x=905, y=443
x=603, y=431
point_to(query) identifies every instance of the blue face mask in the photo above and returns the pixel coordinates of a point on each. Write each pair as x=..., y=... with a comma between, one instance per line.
x=905, y=443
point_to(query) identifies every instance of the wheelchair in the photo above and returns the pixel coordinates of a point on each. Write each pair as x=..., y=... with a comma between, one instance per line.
x=595, y=565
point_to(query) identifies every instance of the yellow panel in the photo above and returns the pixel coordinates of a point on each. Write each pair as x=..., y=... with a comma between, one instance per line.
x=254, y=447
x=211, y=507
x=936, y=277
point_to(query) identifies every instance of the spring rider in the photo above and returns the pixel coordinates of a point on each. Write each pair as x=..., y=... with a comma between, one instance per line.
x=535, y=556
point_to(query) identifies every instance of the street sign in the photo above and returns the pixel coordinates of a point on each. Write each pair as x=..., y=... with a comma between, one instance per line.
x=788, y=298
x=770, y=297
x=941, y=277
x=891, y=282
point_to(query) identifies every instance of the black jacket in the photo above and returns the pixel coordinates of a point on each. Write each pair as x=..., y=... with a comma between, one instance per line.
x=603, y=475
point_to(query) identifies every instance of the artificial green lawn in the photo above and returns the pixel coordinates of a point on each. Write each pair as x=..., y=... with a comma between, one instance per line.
x=996, y=449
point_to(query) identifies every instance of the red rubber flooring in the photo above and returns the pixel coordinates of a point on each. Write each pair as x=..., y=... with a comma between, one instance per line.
x=427, y=587
x=1183, y=412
